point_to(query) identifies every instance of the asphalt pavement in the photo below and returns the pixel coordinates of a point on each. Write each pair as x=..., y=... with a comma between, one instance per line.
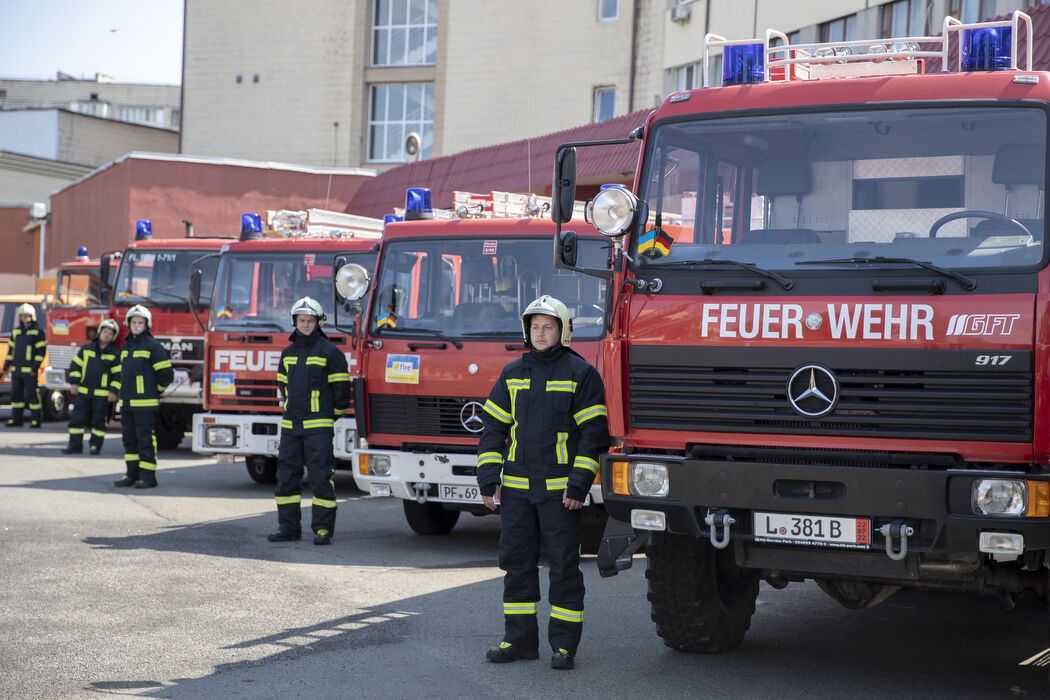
x=175, y=592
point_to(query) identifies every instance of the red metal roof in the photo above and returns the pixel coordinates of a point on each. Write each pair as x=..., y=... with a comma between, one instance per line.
x=504, y=167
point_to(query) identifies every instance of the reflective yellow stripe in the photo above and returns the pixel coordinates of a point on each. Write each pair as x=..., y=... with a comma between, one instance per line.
x=115, y=385
x=561, y=449
x=17, y=404
x=82, y=390
x=289, y=361
x=130, y=457
x=79, y=360
x=323, y=502
x=163, y=364
x=315, y=401
x=39, y=343
x=76, y=431
x=338, y=377
x=286, y=500
x=587, y=463
x=282, y=378
x=98, y=433
x=490, y=458
x=584, y=415
x=318, y=423
x=141, y=353
x=116, y=369
x=320, y=361
x=519, y=608
x=518, y=383
x=515, y=482
x=140, y=384
x=101, y=393
x=34, y=407
x=514, y=386
x=496, y=412
x=109, y=358
x=148, y=466
x=557, y=484
x=285, y=423
x=27, y=370
x=561, y=385
x=566, y=614
x=144, y=403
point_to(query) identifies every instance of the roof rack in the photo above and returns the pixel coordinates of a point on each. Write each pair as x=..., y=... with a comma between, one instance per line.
x=815, y=60
x=320, y=223
x=496, y=205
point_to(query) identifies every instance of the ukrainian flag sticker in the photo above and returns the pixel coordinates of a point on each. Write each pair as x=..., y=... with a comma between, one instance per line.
x=655, y=243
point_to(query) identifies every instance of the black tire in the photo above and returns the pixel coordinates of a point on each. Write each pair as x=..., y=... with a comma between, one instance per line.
x=262, y=470
x=54, y=405
x=170, y=428
x=429, y=518
x=701, y=601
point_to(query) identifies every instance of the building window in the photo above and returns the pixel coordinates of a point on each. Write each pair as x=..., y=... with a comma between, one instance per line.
x=153, y=116
x=397, y=110
x=841, y=29
x=903, y=18
x=608, y=10
x=92, y=107
x=970, y=11
x=684, y=77
x=404, y=32
x=604, y=103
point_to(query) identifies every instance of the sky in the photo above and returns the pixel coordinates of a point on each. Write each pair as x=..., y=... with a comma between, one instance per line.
x=134, y=41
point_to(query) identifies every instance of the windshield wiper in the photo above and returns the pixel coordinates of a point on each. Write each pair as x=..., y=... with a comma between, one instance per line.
x=252, y=323
x=965, y=282
x=768, y=274
x=489, y=334
x=431, y=331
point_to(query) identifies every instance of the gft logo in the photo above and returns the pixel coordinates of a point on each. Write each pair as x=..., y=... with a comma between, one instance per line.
x=981, y=324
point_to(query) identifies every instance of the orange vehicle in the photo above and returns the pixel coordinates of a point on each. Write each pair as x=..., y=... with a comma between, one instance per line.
x=852, y=386
x=9, y=303
x=257, y=282
x=444, y=319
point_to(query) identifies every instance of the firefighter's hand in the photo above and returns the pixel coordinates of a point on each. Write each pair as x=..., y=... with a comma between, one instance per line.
x=491, y=502
x=113, y=396
x=570, y=503
x=73, y=389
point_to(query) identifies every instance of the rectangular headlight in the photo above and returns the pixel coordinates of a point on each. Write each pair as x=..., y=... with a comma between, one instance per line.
x=220, y=436
x=379, y=465
x=1002, y=497
x=1008, y=543
x=648, y=520
x=649, y=479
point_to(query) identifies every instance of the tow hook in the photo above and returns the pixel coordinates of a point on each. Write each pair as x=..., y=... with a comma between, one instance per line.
x=896, y=530
x=719, y=519
x=421, y=488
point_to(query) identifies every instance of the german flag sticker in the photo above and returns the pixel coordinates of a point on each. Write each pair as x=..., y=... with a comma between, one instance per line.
x=386, y=320
x=655, y=243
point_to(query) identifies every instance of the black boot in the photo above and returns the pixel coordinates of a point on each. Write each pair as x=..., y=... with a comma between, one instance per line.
x=322, y=537
x=284, y=536
x=126, y=481
x=95, y=450
x=562, y=661
x=146, y=484
x=35, y=423
x=73, y=449
x=507, y=652
x=12, y=423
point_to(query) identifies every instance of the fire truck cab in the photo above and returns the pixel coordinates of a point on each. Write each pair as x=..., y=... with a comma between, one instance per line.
x=445, y=318
x=258, y=280
x=829, y=342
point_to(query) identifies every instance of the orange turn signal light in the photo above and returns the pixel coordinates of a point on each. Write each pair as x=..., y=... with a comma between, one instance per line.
x=1038, y=499
x=362, y=464
x=620, y=482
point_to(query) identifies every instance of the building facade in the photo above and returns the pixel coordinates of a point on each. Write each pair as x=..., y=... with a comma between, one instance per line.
x=135, y=103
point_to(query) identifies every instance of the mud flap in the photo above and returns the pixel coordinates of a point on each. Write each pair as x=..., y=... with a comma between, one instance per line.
x=620, y=542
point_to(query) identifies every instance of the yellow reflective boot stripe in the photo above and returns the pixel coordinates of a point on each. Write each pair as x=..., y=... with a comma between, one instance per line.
x=561, y=385
x=566, y=614
x=148, y=466
x=98, y=433
x=515, y=482
x=130, y=457
x=496, y=412
x=324, y=503
x=587, y=463
x=140, y=384
x=519, y=608
x=286, y=500
x=562, y=449
x=163, y=364
x=320, y=361
x=584, y=415
x=490, y=458
x=557, y=484
x=76, y=431
x=315, y=401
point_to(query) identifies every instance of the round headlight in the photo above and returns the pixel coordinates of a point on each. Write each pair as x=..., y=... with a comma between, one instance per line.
x=352, y=281
x=612, y=210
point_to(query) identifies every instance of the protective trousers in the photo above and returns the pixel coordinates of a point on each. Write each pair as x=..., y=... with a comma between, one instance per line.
x=525, y=526
x=24, y=393
x=140, y=444
x=89, y=413
x=314, y=450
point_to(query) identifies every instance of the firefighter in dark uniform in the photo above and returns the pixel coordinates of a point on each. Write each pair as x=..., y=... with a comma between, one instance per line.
x=26, y=348
x=315, y=383
x=545, y=426
x=143, y=373
x=89, y=377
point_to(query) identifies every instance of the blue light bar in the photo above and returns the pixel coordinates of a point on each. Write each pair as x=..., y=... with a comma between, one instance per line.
x=743, y=64
x=143, y=229
x=605, y=187
x=82, y=253
x=391, y=219
x=986, y=49
x=417, y=204
x=251, y=223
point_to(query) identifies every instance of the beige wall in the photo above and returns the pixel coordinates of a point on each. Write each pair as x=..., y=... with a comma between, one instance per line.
x=25, y=94
x=24, y=180
x=94, y=141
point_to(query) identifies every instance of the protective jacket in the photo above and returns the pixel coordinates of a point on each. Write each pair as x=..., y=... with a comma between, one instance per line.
x=545, y=426
x=143, y=373
x=315, y=381
x=26, y=348
x=93, y=367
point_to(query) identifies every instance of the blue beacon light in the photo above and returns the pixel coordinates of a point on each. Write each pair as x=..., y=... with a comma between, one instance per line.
x=986, y=49
x=143, y=229
x=82, y=253
x=417, y=204
x=743, y=64
x=391, y=219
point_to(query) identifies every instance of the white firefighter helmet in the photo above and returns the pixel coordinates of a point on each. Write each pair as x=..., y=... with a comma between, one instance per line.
x=26, y=309
x=547, y=305
x=308, y=307
x=110, y=324
x=138, y=311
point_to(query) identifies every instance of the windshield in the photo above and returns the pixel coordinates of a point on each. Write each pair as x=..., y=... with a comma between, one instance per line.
x=257, y=290
x=162, y=278
x=958, y=187
x=78, y=288
x=473, y=288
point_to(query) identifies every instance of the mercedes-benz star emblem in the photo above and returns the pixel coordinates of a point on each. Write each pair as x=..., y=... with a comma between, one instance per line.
x=813, y=391
x=470, y=417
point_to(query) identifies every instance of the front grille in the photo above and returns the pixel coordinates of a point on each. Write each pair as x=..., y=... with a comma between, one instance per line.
x=891, y=403
x=418, y=415
x=61, y=356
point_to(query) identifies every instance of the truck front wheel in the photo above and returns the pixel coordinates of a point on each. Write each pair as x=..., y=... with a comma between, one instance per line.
x=701, y=601
x=429, y=518
x=262, y=470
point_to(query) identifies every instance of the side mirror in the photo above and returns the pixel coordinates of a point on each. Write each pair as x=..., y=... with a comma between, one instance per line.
x=103, y=275
x=195, y=287
x=352, y=281
x=563, y=188
x=567, y=249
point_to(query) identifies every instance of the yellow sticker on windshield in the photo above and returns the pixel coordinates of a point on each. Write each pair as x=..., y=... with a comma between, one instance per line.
x=655, y=243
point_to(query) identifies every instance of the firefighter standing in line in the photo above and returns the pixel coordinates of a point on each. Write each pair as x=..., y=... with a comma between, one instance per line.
x=315, y=383
x=27, y=345
x=142, y=375
x=545, y=426
x=89, y=377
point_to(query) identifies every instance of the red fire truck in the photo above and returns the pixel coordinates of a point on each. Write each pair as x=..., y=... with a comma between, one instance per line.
x=258, y=280
x=829, y=339
x=156, y=274
x=445, y=318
